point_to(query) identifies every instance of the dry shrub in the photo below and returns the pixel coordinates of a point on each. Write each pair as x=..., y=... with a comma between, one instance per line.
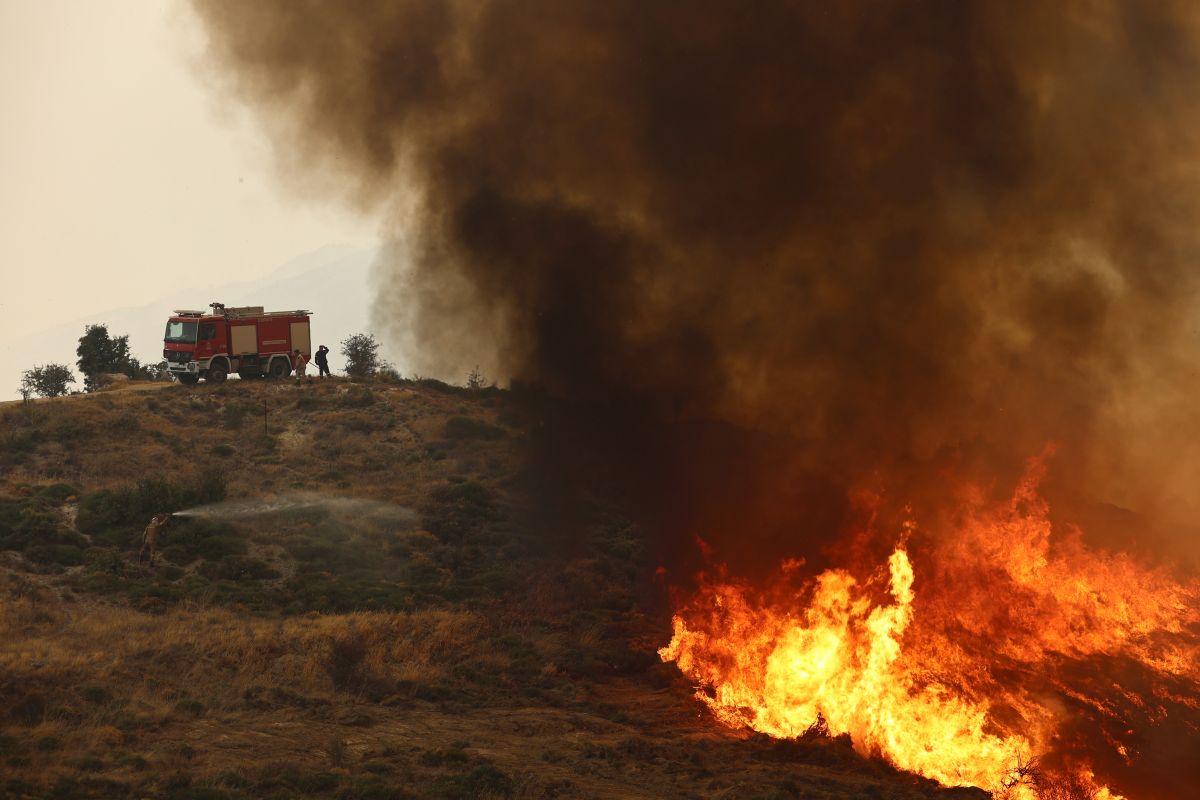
x=1046, y=784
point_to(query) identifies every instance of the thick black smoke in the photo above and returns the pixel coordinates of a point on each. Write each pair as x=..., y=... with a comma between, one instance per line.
x=745, y=257
x=762, y=251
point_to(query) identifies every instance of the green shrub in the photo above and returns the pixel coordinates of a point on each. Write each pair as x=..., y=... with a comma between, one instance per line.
x=16, y=446
x=458, y=510
x=315, y=782
x=104, y=559
x=233, y=414
x=54, y=494
x=32, y=523
x=107, y=511
x=357, y=397
x=63, y=554
x=442, y=387
x=265, y=443
x=482, y=781
x=118, y=515
x=233, y=780
x=469, y=428
x=378, y=768
x=139, y=591
x=214, y=548
x=97, y=695
x=48, y=743
x=188, y=792
x=238, y=569
x=442, y=757
x=193, y=708
x=132, y=761
x=29, y=710
x=371, y=789
x=343, y=661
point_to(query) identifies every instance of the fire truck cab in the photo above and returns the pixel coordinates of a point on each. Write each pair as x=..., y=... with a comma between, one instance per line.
x=247, y=340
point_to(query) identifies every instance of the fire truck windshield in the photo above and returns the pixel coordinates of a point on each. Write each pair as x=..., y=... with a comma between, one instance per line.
x=179, y=332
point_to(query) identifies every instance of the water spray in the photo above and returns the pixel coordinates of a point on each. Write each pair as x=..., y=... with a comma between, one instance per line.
x=299, y=501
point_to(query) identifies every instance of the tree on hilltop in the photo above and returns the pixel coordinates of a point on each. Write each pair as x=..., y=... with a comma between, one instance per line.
x=50, y=380
x=362, y=355
x=101, y=354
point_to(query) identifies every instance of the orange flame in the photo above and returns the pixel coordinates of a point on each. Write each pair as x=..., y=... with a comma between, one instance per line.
x=918, y=667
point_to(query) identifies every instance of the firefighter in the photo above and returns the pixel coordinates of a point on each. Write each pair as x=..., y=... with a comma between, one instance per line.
x=322, y=359
x=150, y=538
x=301, y=364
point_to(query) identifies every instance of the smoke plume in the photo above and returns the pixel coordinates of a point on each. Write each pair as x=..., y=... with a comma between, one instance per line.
x=766, y=251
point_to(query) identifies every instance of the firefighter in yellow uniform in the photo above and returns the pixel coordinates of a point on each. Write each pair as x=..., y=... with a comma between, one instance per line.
x=150, y=538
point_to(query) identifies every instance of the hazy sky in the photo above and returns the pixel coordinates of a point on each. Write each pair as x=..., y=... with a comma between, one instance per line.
x=122, y=173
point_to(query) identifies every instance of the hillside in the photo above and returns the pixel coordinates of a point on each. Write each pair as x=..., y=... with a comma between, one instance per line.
x=365, y=605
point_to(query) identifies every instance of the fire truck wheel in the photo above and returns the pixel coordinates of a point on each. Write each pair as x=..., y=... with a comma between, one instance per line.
x=279, y=368
x=189, y=380
x=217, y=373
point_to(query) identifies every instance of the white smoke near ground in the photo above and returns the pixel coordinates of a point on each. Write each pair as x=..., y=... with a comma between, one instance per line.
x=301, y=501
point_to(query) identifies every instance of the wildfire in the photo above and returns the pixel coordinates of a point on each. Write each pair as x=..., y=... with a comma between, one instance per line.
x=958, y=669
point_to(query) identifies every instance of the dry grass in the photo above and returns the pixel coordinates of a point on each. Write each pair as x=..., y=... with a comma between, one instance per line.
x=216, y=654
x=385, y=442
x=83, y=686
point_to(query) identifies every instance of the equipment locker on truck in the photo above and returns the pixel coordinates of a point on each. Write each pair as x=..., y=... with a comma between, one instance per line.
x=247, y=340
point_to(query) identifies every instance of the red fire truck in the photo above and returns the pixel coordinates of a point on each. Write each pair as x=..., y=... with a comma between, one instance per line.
x=249, y=341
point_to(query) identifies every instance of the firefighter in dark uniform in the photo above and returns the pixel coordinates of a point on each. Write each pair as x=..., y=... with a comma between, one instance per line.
x=322, y=360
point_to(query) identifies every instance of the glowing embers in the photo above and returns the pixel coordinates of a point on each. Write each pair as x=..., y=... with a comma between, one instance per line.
x=964, y=668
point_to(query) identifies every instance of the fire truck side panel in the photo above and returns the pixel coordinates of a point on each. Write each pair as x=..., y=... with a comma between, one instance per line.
x=244, y=338
x=301, y=340
x=273, y=336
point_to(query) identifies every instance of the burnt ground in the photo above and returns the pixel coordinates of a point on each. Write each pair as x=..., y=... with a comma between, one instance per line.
x=456, y=648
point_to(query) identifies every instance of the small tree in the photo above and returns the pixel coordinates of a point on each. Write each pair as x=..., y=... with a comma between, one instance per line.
x=48, y=381
x=362, y=355
x=100, y=353
x=156, y=372
x=475, y=381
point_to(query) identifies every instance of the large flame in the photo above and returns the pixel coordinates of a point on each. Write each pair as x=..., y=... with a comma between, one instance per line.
x=959, y=669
